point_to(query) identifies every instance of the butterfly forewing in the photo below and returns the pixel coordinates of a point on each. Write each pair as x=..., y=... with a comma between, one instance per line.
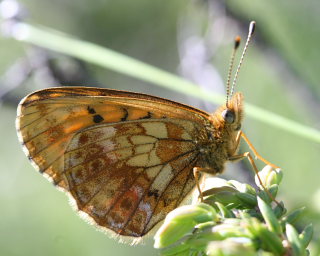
x=125, y=158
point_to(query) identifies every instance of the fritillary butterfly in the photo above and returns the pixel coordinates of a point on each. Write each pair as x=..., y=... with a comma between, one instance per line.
x=127, y=159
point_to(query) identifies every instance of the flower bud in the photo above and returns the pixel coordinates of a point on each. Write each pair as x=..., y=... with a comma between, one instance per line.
x=269, y=176
x=182, y=221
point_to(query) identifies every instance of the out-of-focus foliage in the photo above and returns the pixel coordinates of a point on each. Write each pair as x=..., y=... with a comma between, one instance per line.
x=235, y=219
x=191, y=38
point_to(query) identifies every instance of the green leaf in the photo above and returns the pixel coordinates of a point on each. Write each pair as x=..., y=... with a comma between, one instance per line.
x=225, y=213
x=223, y=231
x=203, y=226
x=221, y=189
x=306, y=235
x=279, y=210
x=264, y=196
x=294, y=240
x=269, y=217
x=270, y=241
x=294, y=216
x=177, y=249
x=242, y=187
x=249, y=189
x=273, y=189
x=247, y=198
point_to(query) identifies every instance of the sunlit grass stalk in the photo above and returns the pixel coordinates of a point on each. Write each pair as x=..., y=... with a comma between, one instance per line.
x=90, y=52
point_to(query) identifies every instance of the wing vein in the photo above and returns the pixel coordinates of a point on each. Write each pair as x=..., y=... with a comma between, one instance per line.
x=134, y=211
x=158, y=200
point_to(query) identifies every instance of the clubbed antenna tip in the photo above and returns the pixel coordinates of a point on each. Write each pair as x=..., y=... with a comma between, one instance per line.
x=237, y=42
x=236, y=46
x=252, y=27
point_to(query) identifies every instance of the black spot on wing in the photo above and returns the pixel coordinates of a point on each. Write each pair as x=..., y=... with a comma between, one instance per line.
x=97, y=119
x=149, y=115
x=126, y=114
x=91, y=110
x=154, y=193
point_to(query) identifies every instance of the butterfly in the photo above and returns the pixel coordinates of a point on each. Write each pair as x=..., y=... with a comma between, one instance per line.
x=126, y=159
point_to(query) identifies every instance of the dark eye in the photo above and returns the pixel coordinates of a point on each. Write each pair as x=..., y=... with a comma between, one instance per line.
x=228, y=115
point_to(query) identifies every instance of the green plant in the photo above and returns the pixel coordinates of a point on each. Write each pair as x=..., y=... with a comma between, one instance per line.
x=235, y=219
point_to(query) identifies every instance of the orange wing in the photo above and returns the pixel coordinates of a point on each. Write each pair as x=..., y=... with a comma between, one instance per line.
x=125, y=158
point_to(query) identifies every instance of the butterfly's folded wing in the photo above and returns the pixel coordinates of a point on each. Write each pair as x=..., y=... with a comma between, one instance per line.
x=125, y=158
x=129, y=175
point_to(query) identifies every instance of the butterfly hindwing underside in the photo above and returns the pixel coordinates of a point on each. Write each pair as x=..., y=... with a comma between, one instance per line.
x=125, y=158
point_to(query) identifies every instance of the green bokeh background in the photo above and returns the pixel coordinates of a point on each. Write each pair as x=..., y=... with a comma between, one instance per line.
x=280, y=74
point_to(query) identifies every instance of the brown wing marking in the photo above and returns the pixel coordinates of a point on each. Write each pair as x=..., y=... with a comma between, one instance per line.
x=47, y=120
x=54, y=106
x=184, y=183
x=141, y=100
x=119, y=200
x=108, y=177
x=157, y=201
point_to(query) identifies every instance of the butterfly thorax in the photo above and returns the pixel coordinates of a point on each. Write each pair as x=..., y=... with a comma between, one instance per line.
x=221, y=132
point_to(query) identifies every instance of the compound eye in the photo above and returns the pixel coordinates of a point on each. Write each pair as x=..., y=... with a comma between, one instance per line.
x=228, y=115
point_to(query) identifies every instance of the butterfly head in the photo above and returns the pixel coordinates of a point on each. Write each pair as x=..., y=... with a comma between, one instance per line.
x=232, y=113
x=229, y=116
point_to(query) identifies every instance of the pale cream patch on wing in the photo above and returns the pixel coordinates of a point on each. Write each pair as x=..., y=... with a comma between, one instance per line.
x=142, y=139
x=156, y=129
x=139, y=160
x=140, y=149
x=122, y=154
x=146, y=153
x=187, y=125
x=186, y=136
x=163, y=179
x=153, y=158
x=152, y=172
x=122, y=141
x=188, y=128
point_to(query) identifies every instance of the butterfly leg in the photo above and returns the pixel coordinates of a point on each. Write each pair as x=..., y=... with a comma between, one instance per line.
x=196, y=172
x=257, y=155
x=251, y=160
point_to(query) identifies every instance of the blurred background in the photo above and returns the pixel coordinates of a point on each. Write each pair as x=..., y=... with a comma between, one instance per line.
x=190, y=38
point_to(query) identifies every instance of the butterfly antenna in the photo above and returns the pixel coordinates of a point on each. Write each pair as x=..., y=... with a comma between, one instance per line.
x=236, y=45
x=251, y=30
